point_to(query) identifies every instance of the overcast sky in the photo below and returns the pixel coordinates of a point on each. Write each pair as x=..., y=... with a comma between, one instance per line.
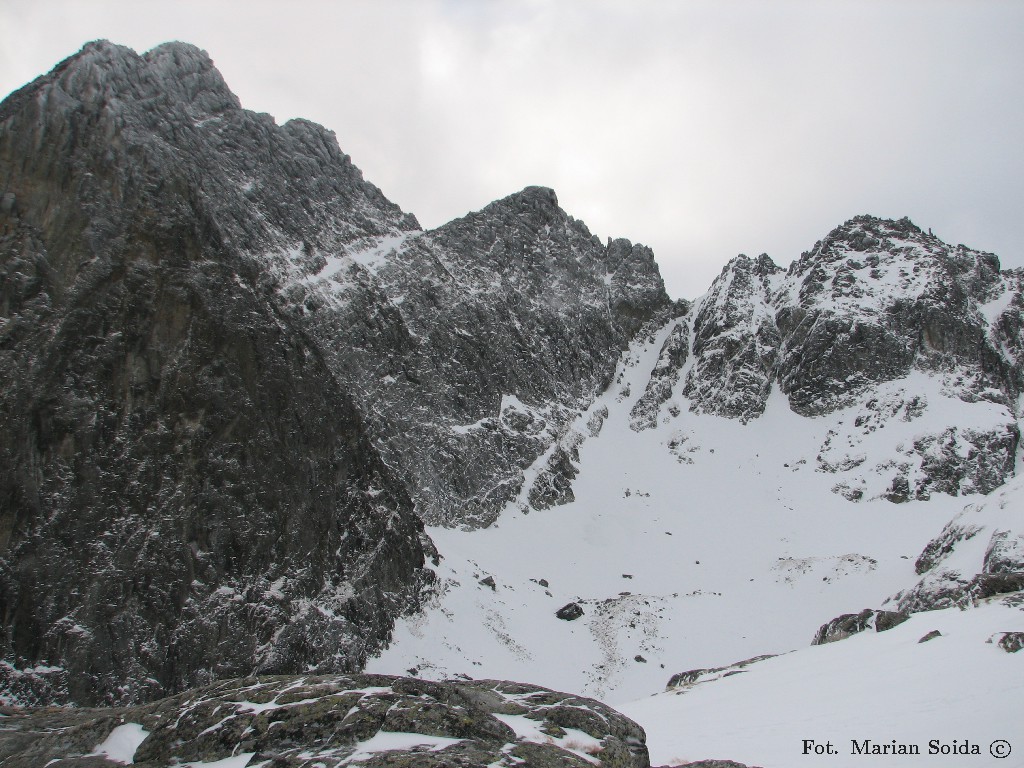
x=702, y=129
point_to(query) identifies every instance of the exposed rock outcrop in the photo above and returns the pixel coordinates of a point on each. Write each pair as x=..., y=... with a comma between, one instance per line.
x=488, y=337
x=373, y=720
x=879, y=319
x=848, y=624
x=736, y=342
x=693, y=677
x=871, y=302
x=569, y=612
x=977, y=555
x=674, y=353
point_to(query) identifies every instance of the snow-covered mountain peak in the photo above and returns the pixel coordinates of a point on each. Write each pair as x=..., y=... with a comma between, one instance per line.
x=873, y=301
x=867, y=265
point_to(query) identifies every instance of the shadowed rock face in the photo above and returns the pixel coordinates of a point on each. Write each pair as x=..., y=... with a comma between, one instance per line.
x=736, y=343
x=877, y=297
x=187, y=490
x=482, y=339
x=377, y=719
x=231, y=369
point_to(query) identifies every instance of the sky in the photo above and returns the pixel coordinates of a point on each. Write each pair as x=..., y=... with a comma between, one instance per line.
x=703, y=129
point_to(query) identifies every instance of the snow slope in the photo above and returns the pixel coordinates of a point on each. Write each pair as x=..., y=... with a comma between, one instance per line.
x=697, y=543
x=882, y=687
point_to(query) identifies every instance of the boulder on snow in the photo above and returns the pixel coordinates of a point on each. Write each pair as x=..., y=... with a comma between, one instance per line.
x=569, y=612
x=848, y=624
x=1011, y=642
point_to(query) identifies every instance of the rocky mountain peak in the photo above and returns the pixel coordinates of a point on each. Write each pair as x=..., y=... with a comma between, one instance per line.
x=763, y=266
x=534, y=198
x=105, y=74
x=194, y=78
x=532, y=209
x=747, y=272
x=235, y=379
x=866, y=233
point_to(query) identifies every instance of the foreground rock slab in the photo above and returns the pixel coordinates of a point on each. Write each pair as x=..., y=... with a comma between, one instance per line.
x=331, y=721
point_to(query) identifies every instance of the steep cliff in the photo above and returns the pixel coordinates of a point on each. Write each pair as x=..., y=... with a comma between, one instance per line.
x=482, y=339
x=187, y=491
x=235, y=378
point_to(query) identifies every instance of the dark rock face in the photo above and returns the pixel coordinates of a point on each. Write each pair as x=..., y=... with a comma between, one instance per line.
x=380, y=720
x=736, y=342
x=867, y=304
x=553, y=486
x=876, y=297
x=187, y=490
x=488, y=338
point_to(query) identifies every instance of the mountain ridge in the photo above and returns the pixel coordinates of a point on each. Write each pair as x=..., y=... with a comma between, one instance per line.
x=174, y=353
x=255, y=420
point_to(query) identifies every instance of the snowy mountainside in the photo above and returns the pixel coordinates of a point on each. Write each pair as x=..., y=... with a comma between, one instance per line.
x=851, y=324
x=941, y=675
x=872, y=301
x=695, y=543
x=732, y=491
x=236, y=380
x=979, y=553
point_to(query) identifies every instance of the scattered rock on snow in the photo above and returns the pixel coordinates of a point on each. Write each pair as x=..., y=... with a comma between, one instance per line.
x=694, y=677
